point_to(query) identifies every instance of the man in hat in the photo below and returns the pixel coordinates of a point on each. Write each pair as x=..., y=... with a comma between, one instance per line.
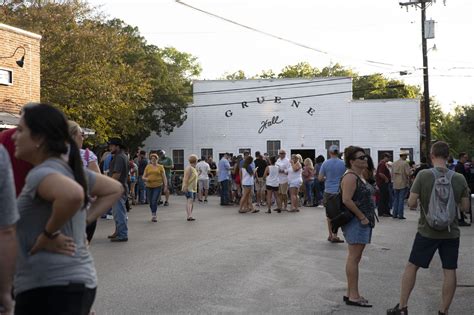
x=401, y=179
x=331, y=173
x=118, y=170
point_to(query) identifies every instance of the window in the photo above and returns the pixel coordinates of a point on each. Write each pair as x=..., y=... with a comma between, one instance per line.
x=178, y=159
x=241, y=151
x=329, y=143
x=206, y=153
x=273, y=146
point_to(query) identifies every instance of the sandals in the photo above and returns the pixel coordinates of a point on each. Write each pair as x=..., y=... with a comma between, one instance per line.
x=255, y=211
x=191, y=219
x=361, y=302
x=154, y=219
x=268, y=211
x=335, y=240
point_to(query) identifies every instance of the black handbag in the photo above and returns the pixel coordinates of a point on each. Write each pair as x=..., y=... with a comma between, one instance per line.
x=337, y=212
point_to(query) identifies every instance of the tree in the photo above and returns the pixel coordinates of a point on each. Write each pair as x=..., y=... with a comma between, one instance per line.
x=102, y=73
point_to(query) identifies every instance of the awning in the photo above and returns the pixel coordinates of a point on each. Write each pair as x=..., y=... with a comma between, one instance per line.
x=8, y=120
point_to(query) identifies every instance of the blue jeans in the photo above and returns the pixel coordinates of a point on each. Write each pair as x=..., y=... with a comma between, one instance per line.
x=309, y=192
x=224, y=192
x=120, y=216
x=141, y=190
x=398, y=202
x=154, y=195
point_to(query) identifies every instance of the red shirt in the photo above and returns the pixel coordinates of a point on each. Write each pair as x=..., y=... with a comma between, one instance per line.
x=382, y=168
x=20, y=168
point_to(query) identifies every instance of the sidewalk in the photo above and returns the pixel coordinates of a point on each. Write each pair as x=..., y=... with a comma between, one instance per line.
x=227, y=262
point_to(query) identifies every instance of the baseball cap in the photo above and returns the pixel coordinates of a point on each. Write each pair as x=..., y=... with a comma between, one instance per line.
x=334, y=148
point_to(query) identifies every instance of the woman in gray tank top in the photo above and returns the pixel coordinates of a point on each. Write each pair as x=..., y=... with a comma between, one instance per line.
x=54, y=263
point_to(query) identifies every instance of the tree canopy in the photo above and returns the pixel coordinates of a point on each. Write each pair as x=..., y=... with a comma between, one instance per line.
x=102, y=73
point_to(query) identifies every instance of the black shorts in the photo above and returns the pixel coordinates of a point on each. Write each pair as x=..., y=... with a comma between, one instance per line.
x=271, y=188
x=424, y=249
x=325, y=200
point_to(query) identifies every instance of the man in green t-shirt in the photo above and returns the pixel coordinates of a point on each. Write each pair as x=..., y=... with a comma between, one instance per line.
x=167, y=163
x=429, y=240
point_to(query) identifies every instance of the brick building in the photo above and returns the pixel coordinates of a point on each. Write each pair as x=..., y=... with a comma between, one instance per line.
x=19, y=72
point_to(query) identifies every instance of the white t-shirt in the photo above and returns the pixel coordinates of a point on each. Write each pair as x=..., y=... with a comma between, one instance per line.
x=295, y=178
x=203, y=170
x=247, y=179
x=283, y=165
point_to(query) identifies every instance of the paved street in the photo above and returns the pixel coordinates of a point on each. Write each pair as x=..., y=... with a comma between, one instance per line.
x=227, y=262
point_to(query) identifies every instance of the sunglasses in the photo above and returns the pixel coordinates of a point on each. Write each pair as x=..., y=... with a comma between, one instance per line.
x=362, y=158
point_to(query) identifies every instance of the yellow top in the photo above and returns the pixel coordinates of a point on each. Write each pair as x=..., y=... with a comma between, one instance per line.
x=192, y=180
x=154, y=174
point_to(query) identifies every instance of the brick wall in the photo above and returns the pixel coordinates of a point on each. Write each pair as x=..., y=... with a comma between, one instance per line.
x=26, y=80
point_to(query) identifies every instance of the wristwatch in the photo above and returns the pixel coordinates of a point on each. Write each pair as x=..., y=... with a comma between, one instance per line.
x=51, y=236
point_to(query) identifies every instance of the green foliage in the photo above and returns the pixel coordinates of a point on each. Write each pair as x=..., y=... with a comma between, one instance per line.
x=456, y=128
x=102, y=73
x=374, y=86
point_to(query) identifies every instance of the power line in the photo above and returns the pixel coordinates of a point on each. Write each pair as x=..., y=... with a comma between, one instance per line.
x=375, y=63
x=296, y=97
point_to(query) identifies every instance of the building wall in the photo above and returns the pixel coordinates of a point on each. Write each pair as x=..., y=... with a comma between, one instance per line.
x=325, y=111
x=26, y=80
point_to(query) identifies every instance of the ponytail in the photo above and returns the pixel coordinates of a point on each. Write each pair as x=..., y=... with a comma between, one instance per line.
x=75, y=162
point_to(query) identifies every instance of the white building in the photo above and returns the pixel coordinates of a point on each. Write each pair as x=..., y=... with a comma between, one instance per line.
x=302, y=116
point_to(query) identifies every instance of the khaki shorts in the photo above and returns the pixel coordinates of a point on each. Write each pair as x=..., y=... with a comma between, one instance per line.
x=283, y=189
x=260, y=184
x=203, y=183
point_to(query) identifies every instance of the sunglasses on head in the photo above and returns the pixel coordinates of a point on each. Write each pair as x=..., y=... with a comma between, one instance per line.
x=362, y=158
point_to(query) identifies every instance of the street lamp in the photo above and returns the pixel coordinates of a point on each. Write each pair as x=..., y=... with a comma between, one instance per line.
x=20, y=62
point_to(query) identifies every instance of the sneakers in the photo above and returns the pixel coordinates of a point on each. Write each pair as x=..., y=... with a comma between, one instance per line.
x=397, y=310
x=166, y=204
x=109, y=217
x=119, y=239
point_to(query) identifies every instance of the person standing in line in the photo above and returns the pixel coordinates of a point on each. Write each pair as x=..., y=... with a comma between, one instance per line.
x=461, y=169
x=203, y=170
x=260, y=165
x=141, y=191
x=167, y=163
x=271, y=180
x=331, y=173
x=133, y=180
x=89, y=160
x=156, y=182
x=401, y=171
x=295, y=180
x=428, y=240
x=212, y=165
x=223, y=173
x=283, y=165
x=119, y=171
x=318, y=185
x=383, y=180
x=248, y=174
x=8, y=242
x=53, y=217
x=189, y=187
x=357, y=197
x=308, y=179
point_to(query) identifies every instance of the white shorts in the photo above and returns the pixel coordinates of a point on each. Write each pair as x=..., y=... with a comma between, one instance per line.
x=295, y=184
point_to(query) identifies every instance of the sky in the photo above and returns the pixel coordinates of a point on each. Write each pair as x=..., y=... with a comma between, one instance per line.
x=352, y=33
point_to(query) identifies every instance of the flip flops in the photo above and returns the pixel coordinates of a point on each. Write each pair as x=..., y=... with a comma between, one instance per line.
x=361, y=302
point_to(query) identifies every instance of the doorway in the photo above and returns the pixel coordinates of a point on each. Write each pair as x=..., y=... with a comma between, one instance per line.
x=305, y=154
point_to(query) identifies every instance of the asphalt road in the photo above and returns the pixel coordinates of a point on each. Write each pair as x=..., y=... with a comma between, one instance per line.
x=226, y=262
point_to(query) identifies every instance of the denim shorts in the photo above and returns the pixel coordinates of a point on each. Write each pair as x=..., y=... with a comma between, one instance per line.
x=356, y=232
x=190, y=195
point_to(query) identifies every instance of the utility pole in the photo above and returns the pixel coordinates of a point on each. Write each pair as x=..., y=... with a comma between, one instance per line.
x=422, y=4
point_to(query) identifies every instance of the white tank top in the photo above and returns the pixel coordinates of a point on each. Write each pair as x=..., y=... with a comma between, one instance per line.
x=272, y=178
x=294, y=177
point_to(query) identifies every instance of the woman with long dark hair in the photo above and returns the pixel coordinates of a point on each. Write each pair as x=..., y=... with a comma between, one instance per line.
x=357, y=197
x=55, y=271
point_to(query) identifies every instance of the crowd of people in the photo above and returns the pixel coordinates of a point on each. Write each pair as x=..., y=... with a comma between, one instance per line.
x=53, y=192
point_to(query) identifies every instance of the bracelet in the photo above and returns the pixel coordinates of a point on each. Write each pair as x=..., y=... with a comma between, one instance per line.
x=51, y=236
